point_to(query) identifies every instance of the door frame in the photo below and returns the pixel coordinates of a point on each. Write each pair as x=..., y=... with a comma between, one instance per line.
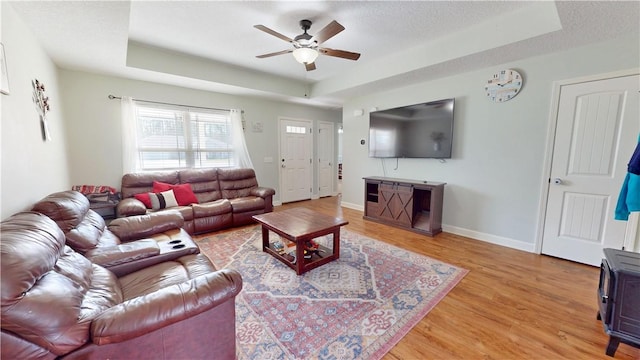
x=551, y=134
x=334, y=172
x=311, y=147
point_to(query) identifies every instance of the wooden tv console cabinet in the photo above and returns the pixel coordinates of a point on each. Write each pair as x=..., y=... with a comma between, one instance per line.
x=411, y=204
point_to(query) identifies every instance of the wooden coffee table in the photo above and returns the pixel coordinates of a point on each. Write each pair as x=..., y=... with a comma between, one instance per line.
x=300, y=225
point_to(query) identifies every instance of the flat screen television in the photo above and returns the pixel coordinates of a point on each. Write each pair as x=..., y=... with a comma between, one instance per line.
x=422, y=130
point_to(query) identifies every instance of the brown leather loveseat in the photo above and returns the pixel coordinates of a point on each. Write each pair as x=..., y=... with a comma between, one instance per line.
x=221, y=198
x=57, y=304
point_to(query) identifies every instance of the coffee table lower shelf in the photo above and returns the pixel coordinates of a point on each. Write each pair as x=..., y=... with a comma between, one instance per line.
x=308, y=264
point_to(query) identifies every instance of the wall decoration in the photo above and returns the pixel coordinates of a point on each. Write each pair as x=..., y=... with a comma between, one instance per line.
x=257, y=126
x=4, y=74
x=504, y=85
x=42, y=102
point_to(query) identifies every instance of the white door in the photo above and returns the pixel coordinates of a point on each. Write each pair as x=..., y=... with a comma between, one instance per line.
x=296, y=144
x=596, y=133
x=325, y=159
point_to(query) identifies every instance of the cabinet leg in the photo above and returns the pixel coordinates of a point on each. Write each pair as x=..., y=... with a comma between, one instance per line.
x=612, y=346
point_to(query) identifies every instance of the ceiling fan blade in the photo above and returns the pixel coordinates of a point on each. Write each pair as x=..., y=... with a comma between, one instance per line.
x=310, y=67
x=328, y=32
x=272, y=32
x=274, y=54
x=339, y=53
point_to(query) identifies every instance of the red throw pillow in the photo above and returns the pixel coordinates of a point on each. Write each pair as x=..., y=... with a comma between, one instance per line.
x=184, y=194
x=144, y=198
x=160, y=186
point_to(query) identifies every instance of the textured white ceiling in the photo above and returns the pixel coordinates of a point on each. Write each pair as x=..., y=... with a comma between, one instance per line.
x=400, y=42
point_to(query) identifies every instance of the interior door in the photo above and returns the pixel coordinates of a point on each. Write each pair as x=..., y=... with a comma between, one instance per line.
x=596, y=131
x=326, y=170
x=296, y=144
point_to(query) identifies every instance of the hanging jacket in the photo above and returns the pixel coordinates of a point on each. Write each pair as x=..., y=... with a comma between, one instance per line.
x=629, y=198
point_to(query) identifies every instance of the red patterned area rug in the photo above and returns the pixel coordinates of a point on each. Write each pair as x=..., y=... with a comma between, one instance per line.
x=357, y=307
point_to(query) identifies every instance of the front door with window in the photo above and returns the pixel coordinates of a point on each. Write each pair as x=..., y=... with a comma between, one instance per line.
x=296, y=144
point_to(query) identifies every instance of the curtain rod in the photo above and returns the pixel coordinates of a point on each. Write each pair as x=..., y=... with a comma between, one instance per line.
x=111, y=97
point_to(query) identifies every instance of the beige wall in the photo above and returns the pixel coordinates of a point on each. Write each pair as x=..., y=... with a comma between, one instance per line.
x=495, y=178
x=85, y=125
x=30, y=167
x=94, y=129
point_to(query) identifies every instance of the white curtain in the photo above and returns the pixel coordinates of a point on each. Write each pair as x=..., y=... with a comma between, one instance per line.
x=243, y=159
x=130, y=163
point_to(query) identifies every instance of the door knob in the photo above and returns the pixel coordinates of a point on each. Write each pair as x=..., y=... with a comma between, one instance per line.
x=283, y=166
x=557, y=181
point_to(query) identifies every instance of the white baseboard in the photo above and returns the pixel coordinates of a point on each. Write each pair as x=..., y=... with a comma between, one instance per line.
x=493, y=239
x=476, y=235
x=352, y=206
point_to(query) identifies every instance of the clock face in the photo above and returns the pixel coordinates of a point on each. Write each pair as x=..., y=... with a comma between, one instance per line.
x=504, y=85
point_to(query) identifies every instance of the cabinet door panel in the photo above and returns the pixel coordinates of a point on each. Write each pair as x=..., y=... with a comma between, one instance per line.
x=396, y=203
x=386, y=200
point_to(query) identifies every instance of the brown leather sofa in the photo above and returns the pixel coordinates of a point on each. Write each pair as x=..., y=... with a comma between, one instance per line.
x=124, y=246
x=56, y=304
x=226, y=197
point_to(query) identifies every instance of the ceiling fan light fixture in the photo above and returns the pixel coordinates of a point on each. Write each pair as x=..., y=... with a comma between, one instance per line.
x=305, y=55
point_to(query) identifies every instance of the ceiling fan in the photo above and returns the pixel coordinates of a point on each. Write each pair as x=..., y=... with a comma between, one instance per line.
x=306, y=48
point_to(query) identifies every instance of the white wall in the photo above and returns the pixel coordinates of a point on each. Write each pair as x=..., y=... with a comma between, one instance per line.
x=93, y=123
x=30, y=167
x=494, y=179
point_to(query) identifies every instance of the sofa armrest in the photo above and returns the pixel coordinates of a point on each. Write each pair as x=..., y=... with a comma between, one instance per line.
x=262, y=192
x=164, y=307
x=130, y=207
x=123, y=253
x=144, y=226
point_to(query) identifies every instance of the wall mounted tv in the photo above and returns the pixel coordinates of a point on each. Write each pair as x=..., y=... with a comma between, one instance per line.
x=416, y=131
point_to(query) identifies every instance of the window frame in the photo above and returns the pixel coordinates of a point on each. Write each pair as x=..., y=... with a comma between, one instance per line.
x=191, y=155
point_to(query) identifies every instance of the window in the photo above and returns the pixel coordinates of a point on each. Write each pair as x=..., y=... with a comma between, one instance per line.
x=175, y=137
x=296, y=129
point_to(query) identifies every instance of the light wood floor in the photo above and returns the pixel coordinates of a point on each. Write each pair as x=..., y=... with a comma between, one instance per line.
x=511, y=305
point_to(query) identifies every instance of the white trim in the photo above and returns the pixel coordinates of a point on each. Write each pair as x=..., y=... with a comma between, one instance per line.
x=631, y=233
x=472, y=234
x=353, y=206
x=489, y=238
x=551, y=132
x=334, y=176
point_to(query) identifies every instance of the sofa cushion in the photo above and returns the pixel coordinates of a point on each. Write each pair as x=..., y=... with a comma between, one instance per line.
x=165, y=274
x=237, y=183
x=50, y=293
x=66, y=208
x=136, y=183
x=83, y=227
x=219, y=207
x=163, y=200
x=203, y=182
x=245, y=204
x=143, y=226
x=183, y=192
x=86, y=234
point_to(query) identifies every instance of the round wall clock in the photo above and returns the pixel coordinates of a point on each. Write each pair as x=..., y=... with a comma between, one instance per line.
x=504, y=85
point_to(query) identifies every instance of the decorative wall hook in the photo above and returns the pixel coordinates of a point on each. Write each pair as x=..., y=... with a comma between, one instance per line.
x=42, y=103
